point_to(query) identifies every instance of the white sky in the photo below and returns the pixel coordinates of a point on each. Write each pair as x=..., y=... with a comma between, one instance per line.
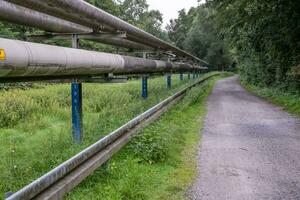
x=170, y=8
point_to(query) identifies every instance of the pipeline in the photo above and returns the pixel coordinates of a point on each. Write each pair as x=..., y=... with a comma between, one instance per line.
x=79, y=11
x=25, y=59
x=17, y=14
x=20, y=15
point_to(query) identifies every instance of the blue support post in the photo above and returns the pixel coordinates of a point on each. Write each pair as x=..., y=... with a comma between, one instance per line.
x=77, y=112
x=76, y=92
x=169, y=81
x=181, y=76
x=145, y=87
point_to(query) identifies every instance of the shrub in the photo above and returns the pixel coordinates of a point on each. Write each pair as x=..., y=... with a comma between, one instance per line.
x=14, y=108
x=151, y=146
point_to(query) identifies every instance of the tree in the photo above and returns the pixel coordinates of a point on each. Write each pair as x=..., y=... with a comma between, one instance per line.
x=197, y=33
x=178, y=28
x=265, y=35
x=137, y=13
x=204, y=41
x=133, y=10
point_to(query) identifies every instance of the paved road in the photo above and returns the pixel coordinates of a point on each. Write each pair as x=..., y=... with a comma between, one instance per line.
x=250, y=149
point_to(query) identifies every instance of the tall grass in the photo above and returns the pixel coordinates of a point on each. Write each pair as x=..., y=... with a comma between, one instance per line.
x=35, y=124
x=159, y=162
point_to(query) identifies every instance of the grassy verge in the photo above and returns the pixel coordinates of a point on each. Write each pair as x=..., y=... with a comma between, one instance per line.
x=35, y=124
x=159, y=163
x=290, y=102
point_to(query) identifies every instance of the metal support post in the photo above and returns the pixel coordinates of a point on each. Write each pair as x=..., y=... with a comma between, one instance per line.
x=76, y=90
x=145, y=87
x=145, y=82
x=77, y=112
x=181, y=76
x=169, y=81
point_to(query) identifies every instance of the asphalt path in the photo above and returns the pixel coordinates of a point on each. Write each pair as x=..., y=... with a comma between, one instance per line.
x=250, y=149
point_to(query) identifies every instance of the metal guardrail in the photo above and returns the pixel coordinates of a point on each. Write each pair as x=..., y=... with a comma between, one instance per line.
x=59, y=181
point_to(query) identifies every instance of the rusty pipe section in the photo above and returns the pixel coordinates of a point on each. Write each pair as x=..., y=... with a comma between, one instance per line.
x=79, y=11
x=26, y=59
x=20, y=15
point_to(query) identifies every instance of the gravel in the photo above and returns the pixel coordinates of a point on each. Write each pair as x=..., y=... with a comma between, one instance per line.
x=250, y=148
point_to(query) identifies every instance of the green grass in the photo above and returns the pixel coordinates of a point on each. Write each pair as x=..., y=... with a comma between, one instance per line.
x=290, y=102
x=35, y=125
x=160, y=162
x=36, y=136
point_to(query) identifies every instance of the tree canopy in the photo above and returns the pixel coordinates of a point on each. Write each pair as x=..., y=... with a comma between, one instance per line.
x=265, y=38
x=260, y=37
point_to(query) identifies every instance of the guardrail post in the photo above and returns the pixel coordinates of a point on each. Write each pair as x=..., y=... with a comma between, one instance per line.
x=169, y=81
x=181, y=76
x=76, y=91
x=145, y=87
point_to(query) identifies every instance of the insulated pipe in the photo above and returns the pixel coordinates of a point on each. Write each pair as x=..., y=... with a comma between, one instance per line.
x=24, y=16
x=78, y=10
x=63, y=13
x=24, y=59
x=112, y=40
x=17, y=14
x=123, y=43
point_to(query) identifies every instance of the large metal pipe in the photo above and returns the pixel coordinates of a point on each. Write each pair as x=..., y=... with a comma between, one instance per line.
x=25, y=59
x=17, y=14
x=20, y=15
x=105, y=39
x=78, y=10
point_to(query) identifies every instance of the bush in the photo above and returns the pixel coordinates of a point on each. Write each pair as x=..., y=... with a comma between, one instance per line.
x=14, y=109
x=151, y=146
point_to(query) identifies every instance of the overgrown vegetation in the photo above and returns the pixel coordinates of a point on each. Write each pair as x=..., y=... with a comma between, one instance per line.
x=36, y=122
x=289, y=101
x=197, y=32
x=260, y=37
x=265, y=39
x=159, y=163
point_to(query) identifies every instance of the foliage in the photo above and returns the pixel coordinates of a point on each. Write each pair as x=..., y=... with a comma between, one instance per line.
x=152, y=145
x=137, y=13
x=36, y=122
x=196, y=32
x=261, y=38
x=265, y=38
x=128, y=176
x=289, y=101
x=179, y=28
x=204, y=41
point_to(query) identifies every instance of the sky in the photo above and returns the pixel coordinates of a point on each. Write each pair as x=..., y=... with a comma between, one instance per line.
x=170, y=8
